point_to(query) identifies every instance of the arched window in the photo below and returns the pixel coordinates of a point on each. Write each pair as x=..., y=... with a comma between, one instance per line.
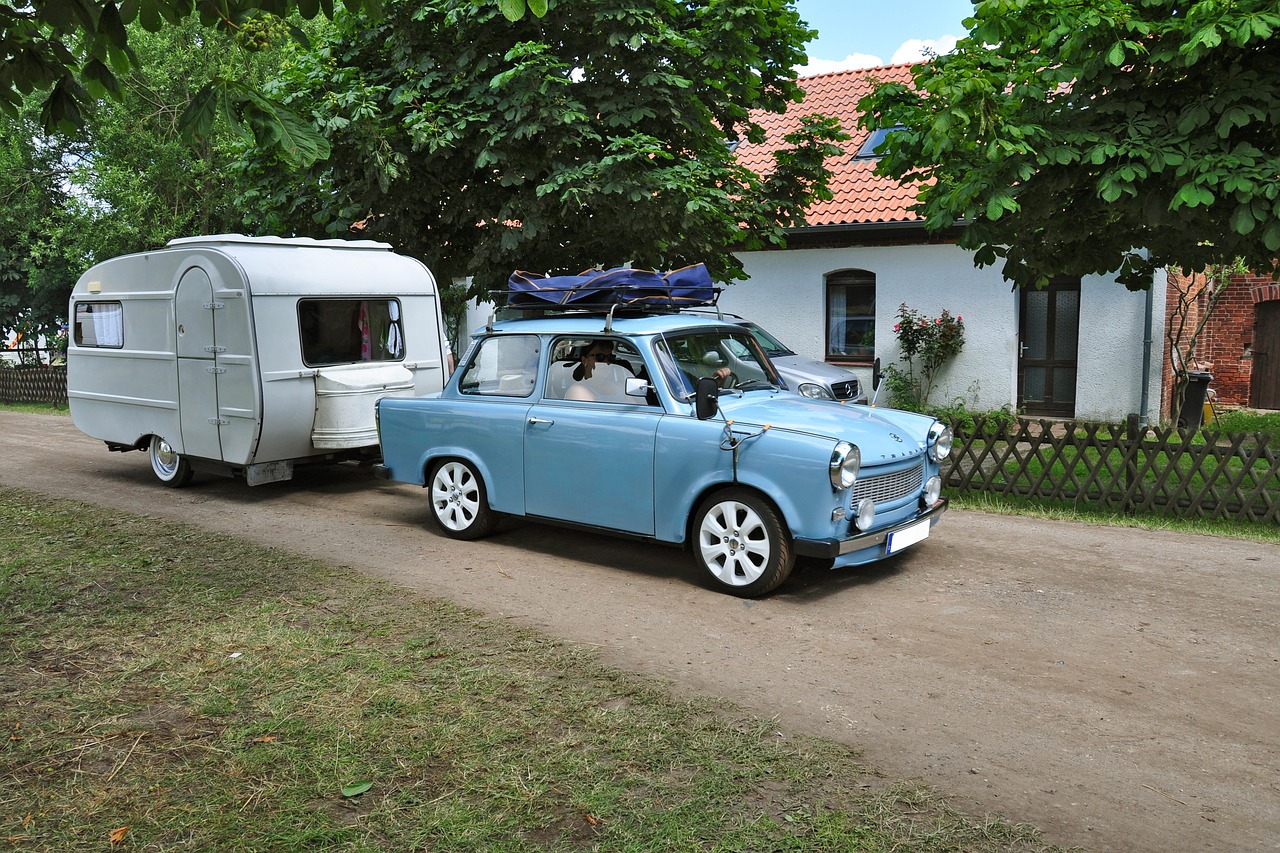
x=851, y=315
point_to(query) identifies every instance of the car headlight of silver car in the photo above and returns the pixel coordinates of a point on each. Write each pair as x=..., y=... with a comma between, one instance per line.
x=846, y=459
x=816, y=392
x=939, y=441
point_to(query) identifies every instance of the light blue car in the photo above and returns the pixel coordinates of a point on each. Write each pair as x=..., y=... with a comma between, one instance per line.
x=668, y=427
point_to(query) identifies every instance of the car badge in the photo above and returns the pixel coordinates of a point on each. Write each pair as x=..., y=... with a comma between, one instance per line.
x=896, y=437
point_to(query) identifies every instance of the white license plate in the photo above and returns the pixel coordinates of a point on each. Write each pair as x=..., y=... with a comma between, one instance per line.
x=907, y=536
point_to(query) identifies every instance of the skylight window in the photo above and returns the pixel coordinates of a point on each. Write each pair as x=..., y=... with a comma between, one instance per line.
x=871, y=149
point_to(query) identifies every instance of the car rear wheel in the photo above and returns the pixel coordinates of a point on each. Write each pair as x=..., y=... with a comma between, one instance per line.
x=459, y=503
x=741, y=543
x=169, y=466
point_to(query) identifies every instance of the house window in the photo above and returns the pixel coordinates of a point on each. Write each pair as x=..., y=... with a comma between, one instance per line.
x=851, y=316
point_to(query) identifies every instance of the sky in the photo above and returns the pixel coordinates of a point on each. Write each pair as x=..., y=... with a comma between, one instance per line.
x=867, y=33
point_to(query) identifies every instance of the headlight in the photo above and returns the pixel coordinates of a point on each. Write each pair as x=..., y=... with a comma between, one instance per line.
x=817, y=392
x=939, y=441
x=866, y=509
x=932, y=491
x=846, y=459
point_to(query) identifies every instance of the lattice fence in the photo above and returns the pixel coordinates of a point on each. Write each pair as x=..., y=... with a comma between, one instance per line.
x=34, y=384
x=1123, y=468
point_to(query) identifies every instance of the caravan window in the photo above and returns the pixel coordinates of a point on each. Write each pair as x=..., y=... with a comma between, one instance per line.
x=343, y=331
x=99, y=324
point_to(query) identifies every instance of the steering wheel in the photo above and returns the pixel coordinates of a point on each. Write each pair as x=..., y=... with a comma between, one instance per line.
x=730, y=381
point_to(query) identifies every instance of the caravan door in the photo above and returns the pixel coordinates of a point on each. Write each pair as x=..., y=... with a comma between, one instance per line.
x=217, y=389
x=197, y=367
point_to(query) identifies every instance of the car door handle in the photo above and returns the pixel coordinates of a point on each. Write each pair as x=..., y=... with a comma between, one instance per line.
x=546, y=421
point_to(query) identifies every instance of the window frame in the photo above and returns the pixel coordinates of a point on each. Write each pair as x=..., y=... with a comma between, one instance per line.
x=115, y=315
x=849, y=278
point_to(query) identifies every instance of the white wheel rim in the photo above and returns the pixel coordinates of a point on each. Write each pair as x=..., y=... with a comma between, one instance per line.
x=163, y=459
x=735, y=543
x=455, y=496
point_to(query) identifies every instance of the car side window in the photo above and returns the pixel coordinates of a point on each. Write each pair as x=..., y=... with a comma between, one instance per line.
x=594, y=370
x=502, y=366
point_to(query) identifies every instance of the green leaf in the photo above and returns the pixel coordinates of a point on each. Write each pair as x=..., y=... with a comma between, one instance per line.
x=512, y=10
x=355, y=789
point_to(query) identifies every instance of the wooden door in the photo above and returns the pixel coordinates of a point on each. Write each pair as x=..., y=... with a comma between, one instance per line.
x=1265, y=384
x=1048, y=337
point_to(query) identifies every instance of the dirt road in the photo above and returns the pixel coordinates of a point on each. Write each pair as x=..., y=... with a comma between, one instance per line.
x=1120, y=689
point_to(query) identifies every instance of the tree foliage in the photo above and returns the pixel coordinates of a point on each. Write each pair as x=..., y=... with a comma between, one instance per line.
x=74, y=52
x=598, y=134
x=1066, y=137
x=125, y=182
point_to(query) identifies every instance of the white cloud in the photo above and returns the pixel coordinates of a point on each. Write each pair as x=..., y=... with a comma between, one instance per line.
x=912, y=50
x=827, y=66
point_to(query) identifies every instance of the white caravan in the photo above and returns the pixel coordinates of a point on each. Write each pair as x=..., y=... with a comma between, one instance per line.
x=250, y=355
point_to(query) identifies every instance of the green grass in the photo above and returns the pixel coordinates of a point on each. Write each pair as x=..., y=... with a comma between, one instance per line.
x=1248, y=421
x=35, y=408
x=209, y=694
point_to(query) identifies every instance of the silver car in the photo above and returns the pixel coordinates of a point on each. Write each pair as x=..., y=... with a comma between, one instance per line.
x=815, y=379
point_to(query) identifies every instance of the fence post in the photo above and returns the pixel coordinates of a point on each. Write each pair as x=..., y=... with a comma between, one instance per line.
x=1134, y=438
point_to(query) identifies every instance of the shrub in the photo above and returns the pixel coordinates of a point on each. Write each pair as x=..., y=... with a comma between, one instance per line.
x=926, y=343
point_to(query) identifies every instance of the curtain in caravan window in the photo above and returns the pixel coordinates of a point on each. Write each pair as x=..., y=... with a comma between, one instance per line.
x=99, y=324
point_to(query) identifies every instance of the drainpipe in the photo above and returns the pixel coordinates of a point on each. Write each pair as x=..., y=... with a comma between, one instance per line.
x=1146, y=351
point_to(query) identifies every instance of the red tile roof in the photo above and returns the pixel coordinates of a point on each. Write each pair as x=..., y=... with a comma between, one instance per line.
x=859, y=196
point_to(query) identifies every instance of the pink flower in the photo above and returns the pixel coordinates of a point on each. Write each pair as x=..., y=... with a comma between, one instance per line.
x=895, y=327
x=959, y=319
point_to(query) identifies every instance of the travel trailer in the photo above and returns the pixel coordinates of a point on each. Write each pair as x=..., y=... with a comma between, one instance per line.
x=250, y=355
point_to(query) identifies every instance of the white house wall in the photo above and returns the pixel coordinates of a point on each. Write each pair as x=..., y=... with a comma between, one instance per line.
x=785, y=294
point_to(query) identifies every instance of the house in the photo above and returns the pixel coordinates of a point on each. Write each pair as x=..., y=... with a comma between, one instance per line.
x=1083, y=348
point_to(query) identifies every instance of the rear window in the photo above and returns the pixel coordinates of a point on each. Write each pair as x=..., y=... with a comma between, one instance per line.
x=345, y=331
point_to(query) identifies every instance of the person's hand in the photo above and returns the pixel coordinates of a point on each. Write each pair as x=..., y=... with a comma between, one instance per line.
x=721, y=375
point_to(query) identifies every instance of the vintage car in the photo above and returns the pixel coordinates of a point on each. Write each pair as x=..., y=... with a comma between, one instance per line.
x=623, y=415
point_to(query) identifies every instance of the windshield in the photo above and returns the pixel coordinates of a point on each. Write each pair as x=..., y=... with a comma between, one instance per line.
x=772, y=346
x=733, y=358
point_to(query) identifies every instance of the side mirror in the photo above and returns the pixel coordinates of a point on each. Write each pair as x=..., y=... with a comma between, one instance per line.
x=638, y=387
x=706, y=398
x=876, y=375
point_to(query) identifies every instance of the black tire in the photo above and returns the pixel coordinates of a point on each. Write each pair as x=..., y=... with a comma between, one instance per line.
x=740, y=543
x=459, y=502
x=169, y=466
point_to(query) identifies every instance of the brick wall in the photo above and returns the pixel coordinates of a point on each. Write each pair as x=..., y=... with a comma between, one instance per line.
x=1226, y=344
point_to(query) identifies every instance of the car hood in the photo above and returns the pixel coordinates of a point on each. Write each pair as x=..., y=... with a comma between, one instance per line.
x=882, y=435
x=797, y=368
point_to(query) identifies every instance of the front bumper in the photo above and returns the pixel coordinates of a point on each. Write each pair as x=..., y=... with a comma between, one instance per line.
x=832, y=548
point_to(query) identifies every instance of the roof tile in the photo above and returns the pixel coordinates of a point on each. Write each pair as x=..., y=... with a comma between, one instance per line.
x=858, y=195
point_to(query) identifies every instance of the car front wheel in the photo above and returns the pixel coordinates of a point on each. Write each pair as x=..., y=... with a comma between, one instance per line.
x=170, y=467
x=459, y=503
x=741, y=543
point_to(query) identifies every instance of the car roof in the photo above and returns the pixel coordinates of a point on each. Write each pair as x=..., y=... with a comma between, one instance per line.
x=595, y=324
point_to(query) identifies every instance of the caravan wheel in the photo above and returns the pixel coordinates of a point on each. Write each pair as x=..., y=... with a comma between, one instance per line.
x=169, y=466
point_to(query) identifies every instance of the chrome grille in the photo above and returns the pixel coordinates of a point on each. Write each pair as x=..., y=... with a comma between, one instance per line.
x=845, y=390
x=888, y=487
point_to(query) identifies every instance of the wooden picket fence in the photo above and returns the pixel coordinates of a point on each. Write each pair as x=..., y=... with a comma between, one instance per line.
x=1122, y=468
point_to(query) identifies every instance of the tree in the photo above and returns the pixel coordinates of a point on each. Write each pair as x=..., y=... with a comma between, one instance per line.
x=76, y=50
x=33, y=217
x=599, y=134
x=125, y=182
x=1074, y=138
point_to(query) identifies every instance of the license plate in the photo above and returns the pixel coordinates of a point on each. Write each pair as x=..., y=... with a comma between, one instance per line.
x=907, y=536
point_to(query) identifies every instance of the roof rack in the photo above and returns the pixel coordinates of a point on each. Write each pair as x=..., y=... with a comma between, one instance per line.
x=612, y=290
